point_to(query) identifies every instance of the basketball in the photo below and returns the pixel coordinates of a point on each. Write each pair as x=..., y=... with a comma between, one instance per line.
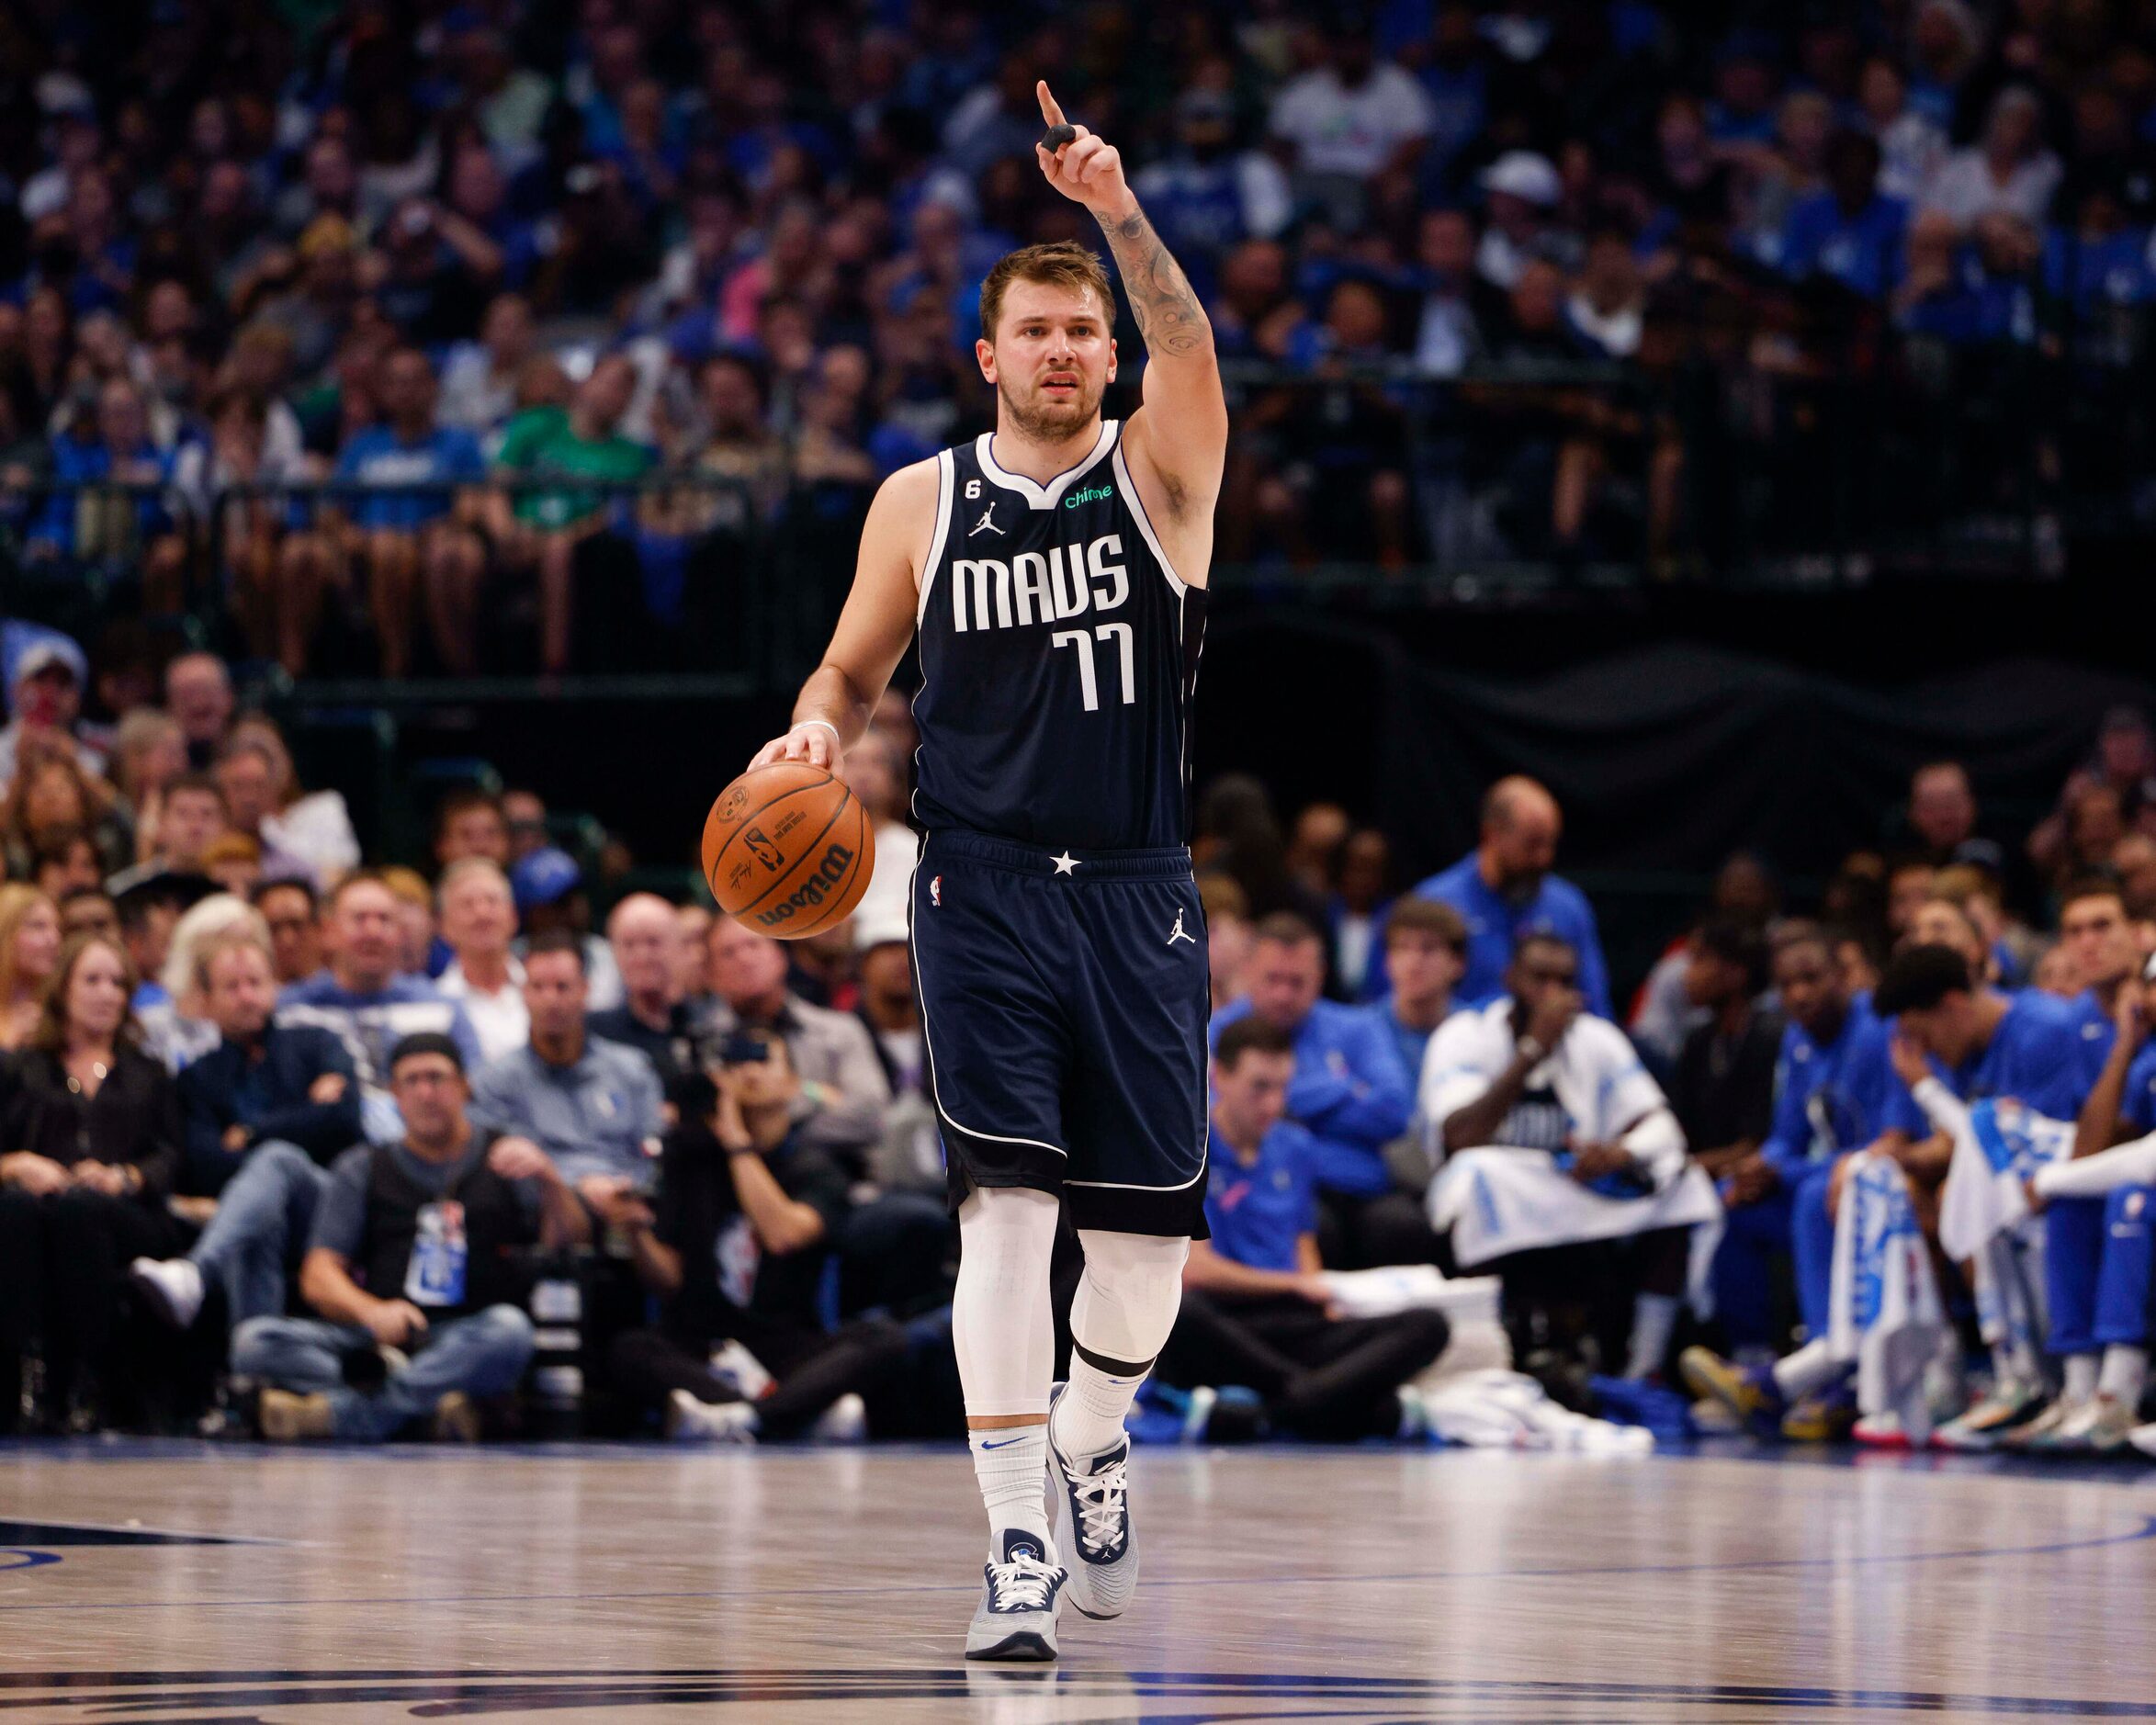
x=788, y=850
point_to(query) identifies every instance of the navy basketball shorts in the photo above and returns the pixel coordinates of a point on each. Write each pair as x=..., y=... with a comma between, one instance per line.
x=1064, y=999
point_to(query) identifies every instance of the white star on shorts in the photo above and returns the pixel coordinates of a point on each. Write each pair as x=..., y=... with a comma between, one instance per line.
x=1066, y=863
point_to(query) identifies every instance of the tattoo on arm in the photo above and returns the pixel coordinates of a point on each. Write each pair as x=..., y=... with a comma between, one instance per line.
x=1169, y=318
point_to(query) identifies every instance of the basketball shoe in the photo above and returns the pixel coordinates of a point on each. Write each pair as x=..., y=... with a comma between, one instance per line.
x=1019, y=1594
x=1093, y=1522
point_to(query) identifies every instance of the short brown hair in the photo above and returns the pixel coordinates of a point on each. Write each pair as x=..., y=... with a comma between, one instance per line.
x=1289, y=928
x=1250, y=1035
x=1222, y=896
x=1428, y=916
x=1063, y=264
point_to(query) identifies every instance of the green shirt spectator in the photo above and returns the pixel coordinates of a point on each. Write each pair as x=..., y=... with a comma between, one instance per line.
x=579, y=441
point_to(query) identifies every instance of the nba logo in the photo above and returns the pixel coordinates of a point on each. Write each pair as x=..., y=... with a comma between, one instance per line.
x=936, y=892
x=761, y=848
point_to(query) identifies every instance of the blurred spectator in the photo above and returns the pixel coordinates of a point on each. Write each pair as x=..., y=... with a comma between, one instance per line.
x=2008, y=173
x=841, y=1095
x=1912, y=145
x=1356, y=914
x=552, y=532
x=692, y=955
x=1348, y=121
x=362, y=997
x=1349, y=1093
x=479, y=380
x=548, y=889
x=479, y=921
x=1722, y=1091
x=198, y=695
x=418, y=538
x=591, y=1105
x=2125, y=760
x=44, y=699
x=1256, y=1308
x=1206, y=196
x=1425, y=956
x=66, y=861
x=1850, y=233
x=653, y=1018
x=470, y=823
x=52, y=800
x=456, y=1320
x=290, y=908
x=95, y=1133
x=416, y=938
x=1942, y=818
x=1504, y=890
x=1321, y=828
x=302, y=832
x=1228, y=935
x=1521, y=187
x=911, y=1154
x=1534, y=1071
x=29, y=954
x=524, y=814
x=1448, y=335
x=734, y=1247
x=264, y=1111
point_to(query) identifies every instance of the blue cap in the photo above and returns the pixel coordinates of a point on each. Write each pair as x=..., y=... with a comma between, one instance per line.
x=546, y=877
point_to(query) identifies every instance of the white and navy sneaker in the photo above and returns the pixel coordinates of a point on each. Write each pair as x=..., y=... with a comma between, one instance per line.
x=1016, y=1617
x=1093, y=1522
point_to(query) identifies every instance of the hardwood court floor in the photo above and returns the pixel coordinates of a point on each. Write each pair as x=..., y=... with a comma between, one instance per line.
x=647, y=1585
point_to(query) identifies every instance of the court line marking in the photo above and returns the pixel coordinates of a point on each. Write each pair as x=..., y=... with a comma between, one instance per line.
x=2146, y=1531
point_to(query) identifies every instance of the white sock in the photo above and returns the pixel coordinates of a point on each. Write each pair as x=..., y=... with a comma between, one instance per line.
x=2125, y=1374
x=1011, y=1465
x=1654, y=1322
x=2081, y=1377
x=1812, y=1367
x=1090, y=1414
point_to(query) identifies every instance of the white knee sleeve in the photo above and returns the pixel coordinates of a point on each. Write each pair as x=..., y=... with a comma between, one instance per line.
x=1001, y=1324
x=1126, y=1304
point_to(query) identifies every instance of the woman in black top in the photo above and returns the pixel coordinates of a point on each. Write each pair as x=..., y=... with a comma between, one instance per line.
x=89, y=1144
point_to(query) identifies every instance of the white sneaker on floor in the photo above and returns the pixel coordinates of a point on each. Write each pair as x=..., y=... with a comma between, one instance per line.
x=1093, y=1522
x=1020, y=1593
x=845, y=1421
x=172, y=1285
x=689, y=1421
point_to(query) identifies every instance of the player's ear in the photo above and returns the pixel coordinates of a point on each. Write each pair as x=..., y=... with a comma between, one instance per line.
x=983, y=353
x=1111, y=357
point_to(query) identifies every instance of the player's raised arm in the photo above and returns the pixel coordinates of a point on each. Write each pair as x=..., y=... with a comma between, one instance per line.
x=874, y=629
x=1180, y=434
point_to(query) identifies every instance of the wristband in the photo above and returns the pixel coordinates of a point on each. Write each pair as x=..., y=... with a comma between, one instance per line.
x=837, y=742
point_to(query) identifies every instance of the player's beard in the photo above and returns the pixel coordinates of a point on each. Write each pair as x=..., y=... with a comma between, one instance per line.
x=1050, y=421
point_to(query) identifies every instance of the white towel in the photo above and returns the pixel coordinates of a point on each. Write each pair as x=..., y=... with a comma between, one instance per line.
x=1998, y=1146
x=1504, y=1410
x=1499, y=1201
x=1392, y=1288
x=1884, y=1311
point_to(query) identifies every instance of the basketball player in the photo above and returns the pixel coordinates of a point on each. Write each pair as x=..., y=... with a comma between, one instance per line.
x=1055, y=571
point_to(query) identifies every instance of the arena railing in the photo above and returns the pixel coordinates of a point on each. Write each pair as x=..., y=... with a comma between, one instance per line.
x=1785, y=465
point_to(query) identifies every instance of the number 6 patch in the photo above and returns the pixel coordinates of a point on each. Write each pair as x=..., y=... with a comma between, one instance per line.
x=973, y=488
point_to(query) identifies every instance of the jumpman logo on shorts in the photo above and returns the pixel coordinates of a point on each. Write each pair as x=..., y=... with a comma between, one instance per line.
x=1176, y=933
x=988, y=520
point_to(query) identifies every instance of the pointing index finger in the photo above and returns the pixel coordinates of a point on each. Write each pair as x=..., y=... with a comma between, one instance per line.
x=1051, y=110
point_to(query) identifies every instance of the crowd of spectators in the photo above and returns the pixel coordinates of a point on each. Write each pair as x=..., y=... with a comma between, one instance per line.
x=439, y=256
x=345, y=1126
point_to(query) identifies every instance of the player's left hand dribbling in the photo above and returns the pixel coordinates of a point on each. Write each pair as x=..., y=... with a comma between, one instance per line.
x=812, y=743
x=1086, y=170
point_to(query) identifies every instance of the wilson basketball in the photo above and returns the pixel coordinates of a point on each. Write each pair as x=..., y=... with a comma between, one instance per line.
x=788, y=850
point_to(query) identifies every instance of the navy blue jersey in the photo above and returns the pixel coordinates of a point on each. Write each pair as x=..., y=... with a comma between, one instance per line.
x=1058, y=651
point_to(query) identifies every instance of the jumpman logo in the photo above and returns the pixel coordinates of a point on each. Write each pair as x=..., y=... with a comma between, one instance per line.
x=1176, y=933
x=988, y=520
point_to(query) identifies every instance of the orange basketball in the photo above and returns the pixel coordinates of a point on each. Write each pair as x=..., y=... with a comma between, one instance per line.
x=788, y=850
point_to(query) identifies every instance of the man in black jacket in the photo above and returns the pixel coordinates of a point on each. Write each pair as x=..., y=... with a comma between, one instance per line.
x=415, y=1259
x=734, y=1245
x=265, y=1112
